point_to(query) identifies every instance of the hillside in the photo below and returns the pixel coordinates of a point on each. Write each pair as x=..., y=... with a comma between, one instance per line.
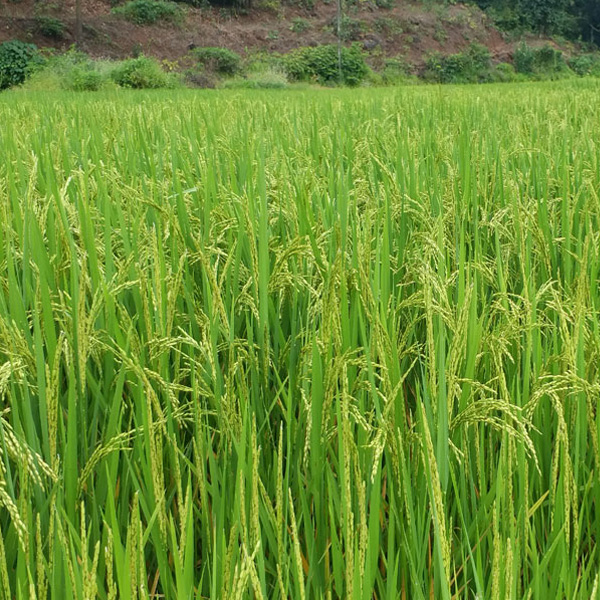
x=410, y=30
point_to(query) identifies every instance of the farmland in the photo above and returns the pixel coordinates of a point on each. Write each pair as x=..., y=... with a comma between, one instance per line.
x=312, y=344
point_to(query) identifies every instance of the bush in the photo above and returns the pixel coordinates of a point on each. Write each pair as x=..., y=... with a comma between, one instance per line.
x=549, y=60
x=300, y=25
x=539, y=61
x=503, y=73
x=524, y=59
x=51, y=27
x=585, y=64
x=218, y=60
x=86, y=80
x=16, y=62
x=471, y=66
x=321, y=64
x=141, y=73
x=388, y=25
x=200, y=79
x=350, y=29
x=147, y=12
x=72, y=70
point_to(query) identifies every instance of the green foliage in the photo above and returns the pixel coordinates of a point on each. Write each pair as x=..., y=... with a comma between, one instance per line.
x=524, y=59
x=87, y=80
x=547, y=16
x=321, y=64
x=503, y=73
x=195, y=3
x=350, y=29
x=471, y=66
x=16, y=61
x=271, y=79
x=544, y=16
x=507, y=18
x=395, y=71
x=73, y=70
x=388, y=25
x=272, y=6
x=542, y=61
x=585, y=64
x=142, y=73
x=300, y=25
x=385, y=3
x=549, y=60
x=51, y=27
x=218, y=60
x=440, y=33
x=148, y=12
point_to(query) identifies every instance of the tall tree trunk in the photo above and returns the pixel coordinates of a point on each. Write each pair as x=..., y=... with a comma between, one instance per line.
x=339, y=39
x=78, y=23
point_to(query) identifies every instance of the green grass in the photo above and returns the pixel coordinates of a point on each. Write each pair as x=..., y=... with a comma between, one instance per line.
x=321, y=344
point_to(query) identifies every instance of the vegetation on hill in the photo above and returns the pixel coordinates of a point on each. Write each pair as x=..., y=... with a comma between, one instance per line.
x=25, y=66
x=388, y=29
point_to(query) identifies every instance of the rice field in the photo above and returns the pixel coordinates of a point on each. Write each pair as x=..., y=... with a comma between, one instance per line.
x=307, y=345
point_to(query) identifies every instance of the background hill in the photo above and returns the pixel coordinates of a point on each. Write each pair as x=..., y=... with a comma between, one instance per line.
x=410, y=31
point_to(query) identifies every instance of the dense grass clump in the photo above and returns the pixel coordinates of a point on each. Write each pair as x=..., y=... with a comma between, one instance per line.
x=329, y=344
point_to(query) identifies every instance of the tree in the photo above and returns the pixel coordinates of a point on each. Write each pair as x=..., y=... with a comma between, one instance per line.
x=542, y=16
x=78, y=21
x=547, y=16
x=588, y=19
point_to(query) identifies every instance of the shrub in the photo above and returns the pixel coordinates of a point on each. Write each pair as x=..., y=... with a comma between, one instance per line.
x=503, y=72
x=86, y=80
x=350, y=29
x=147, y=12
x=321, y=64
x=549, y=60
x=524, y=59
x=388, y=25
x=585, y=64
x=464, y=67
x=300, y=25
x=539, y=61
x=51, y=27
x=480, y=59
x=582, y=65
x=72, y=70
x=218, y=60
x=200, y=79
x=272, y=6
x=141, y=73
x=16, y=62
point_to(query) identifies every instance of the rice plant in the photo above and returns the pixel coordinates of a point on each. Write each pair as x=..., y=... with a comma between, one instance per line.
x=310, y=345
